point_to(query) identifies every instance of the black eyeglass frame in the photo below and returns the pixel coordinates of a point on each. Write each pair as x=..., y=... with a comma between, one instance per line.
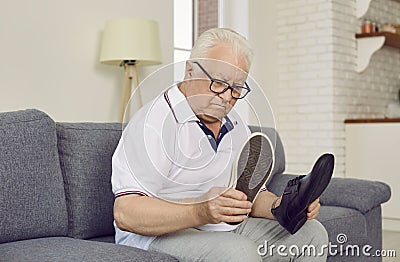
x=212, y=79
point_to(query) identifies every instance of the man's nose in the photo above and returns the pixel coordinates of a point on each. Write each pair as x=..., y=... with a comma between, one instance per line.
x=227, y=95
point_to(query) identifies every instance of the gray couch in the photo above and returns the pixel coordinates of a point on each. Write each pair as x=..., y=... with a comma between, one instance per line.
x=56, y=202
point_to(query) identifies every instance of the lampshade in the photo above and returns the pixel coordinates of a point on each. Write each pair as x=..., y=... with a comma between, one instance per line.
x=130, y=39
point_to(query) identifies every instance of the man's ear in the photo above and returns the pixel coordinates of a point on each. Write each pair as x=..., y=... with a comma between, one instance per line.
x=188, y=69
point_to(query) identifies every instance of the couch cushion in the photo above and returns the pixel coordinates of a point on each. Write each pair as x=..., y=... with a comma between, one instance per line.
x=32, y=199
x=69, y=249
x=106, y=239
x=340, y=220
x=85, y=151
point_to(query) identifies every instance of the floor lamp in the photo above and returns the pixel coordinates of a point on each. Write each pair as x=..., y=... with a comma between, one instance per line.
x=130, y=42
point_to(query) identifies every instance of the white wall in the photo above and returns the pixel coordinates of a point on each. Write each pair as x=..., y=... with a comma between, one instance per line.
x=49, y=55
x=305, y=70
x=263, y=38
x=233, y=14
x=250, y=18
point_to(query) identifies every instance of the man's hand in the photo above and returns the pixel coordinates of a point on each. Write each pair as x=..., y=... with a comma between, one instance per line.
x=223, y=205
x=313, y=209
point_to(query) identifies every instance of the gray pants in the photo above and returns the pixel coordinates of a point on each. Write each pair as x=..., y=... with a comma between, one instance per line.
x=256, y=239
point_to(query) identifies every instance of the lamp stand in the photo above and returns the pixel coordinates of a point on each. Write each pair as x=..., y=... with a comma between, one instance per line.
x=130, y=73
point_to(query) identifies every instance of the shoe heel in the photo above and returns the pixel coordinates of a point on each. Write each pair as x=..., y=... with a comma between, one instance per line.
x=297, y=223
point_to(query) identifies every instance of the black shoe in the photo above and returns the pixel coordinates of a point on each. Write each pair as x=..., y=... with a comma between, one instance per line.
x=254, y=165
x=301, y=191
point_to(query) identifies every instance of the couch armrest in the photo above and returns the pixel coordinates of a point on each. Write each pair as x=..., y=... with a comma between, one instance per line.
x=361, y=195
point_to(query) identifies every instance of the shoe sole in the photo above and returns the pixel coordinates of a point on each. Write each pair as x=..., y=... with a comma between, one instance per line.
x=325, y=164
x=320, y=174
x=254, y=164
x=296, y=223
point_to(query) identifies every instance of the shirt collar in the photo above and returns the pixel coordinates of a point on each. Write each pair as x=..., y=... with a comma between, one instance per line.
x=179, y=105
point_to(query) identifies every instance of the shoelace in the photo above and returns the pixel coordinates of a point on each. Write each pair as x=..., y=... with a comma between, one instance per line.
x=294, y=181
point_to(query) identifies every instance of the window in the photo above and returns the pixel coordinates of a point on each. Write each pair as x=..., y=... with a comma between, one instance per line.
x=207, y=15
x=191, y=18
x=183, y=29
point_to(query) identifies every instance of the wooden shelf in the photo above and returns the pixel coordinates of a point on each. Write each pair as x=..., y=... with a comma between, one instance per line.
x=391, y=39
x=372, y=120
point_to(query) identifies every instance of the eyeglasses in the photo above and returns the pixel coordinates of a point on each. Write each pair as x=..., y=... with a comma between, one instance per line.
x=220, y=86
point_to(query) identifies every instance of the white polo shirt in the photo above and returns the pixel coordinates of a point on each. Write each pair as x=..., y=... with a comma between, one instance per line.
x=164, y=153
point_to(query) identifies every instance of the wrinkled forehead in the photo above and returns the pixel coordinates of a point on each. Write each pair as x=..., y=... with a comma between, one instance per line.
x=223, y=70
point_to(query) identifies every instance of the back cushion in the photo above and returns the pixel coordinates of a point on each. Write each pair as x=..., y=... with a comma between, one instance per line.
x=32, y=199
x=85, y=152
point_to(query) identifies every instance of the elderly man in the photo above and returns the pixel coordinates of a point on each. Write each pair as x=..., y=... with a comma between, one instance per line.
x=172, y=171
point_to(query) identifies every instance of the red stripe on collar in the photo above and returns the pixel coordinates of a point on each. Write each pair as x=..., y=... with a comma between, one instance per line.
x=169, y=104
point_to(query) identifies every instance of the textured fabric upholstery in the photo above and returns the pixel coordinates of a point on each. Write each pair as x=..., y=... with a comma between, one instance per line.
x=362, y=195
x=341, y=220
x=106, y=239
x=86, y=150
x=32, y=199
x=374, y=230
x=354, y=229
x=62, y=249
x=279, y=165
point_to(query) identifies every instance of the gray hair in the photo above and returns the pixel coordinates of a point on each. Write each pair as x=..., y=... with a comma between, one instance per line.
x=212, y=37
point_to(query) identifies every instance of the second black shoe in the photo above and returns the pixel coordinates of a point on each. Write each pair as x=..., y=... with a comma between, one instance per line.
x=301, y=191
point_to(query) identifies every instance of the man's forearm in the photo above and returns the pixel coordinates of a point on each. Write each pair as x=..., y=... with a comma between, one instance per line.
x=151, y=216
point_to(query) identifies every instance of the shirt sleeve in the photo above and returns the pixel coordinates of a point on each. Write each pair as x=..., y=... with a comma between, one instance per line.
x=139, y=164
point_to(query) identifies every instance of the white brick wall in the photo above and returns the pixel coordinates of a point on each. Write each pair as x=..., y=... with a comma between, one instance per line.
x=305, y=102
x=319, y=87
